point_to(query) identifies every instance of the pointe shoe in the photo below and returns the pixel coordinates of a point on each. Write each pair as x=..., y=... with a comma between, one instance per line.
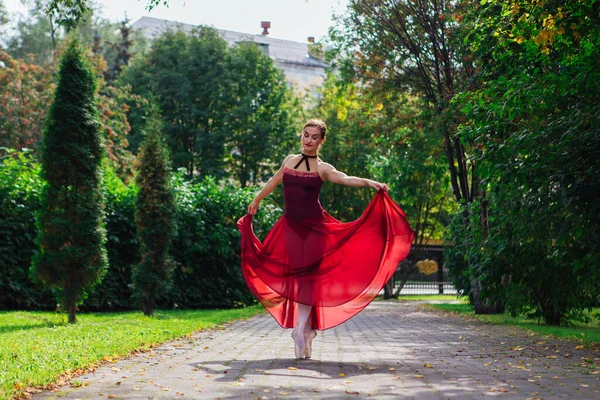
x=299, y=343
x=308, y=338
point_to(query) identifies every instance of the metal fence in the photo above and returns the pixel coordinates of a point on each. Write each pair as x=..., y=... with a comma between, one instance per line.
x=417, y=282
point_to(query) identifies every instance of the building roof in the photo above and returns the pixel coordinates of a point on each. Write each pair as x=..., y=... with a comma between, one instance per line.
x=283, y=51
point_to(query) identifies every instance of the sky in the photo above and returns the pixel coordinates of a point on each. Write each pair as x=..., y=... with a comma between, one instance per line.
x=290, y=19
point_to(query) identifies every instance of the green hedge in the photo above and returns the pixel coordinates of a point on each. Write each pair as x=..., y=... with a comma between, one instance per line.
x=205, y=249
x=20, y=190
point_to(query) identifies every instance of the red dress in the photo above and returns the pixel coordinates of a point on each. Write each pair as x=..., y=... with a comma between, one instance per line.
x=311, y=258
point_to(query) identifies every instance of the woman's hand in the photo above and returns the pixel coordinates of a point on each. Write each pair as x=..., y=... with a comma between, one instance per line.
x=377, y=185
x=253, y=207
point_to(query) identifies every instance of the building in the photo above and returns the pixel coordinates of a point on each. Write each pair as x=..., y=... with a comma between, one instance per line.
x=303, y=72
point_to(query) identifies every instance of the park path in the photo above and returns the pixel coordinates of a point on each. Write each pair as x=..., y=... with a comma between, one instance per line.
x=390, y=350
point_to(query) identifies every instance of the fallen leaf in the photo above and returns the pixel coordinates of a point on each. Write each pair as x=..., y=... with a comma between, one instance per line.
x=419, y=376
x=391, y=369
x=112, y=396
x=292, y=368
x=349, y=392
x=580, y=347
x=427, y=365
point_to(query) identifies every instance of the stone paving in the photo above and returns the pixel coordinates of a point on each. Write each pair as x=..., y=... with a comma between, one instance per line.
x=389, y=351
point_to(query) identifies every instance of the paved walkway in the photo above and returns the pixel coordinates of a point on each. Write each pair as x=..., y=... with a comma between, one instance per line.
x=389, y=351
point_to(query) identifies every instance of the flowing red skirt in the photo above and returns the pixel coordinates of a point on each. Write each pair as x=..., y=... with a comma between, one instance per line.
x=335, y=267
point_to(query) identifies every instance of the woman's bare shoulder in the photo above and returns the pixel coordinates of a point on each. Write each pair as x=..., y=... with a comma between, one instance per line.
x=289, y=160
x=325, y=166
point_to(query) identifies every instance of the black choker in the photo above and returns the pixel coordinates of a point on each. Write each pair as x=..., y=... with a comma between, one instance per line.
x=305, y=158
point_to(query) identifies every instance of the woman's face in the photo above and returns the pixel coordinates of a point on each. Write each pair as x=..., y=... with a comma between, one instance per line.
x=311, y=138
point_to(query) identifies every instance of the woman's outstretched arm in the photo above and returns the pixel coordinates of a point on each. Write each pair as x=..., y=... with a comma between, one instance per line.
x=333, y=175
x=268, y=188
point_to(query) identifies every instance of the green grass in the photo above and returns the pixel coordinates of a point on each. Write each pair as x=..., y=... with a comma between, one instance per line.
x=425, y=297
x=36, y=348
x=584, y=333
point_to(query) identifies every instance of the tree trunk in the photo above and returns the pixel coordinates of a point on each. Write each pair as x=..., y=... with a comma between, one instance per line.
x=400, y=287
x=388, y=289
x=484, y=306
x=147, y=308
x=72, y=312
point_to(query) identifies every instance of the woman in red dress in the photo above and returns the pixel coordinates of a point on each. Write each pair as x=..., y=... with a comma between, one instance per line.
x=313, y=272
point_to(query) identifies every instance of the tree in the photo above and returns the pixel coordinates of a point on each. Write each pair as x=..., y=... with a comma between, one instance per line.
x=36, y=35
x=3, y=18
x=155, y=217
x=71, y=232
x=25, y=96
x=408, y=46
x=188, y=75
x=534, y=114
x=260, y=115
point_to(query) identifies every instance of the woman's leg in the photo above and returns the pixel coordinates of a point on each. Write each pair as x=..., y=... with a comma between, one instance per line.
x=303, y=316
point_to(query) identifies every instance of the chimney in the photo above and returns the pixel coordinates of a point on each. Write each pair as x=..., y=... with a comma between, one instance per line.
x=311, y=39
x=265, y=25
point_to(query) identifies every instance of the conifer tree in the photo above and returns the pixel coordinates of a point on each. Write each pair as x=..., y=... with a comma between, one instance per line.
x=155, y=210
x=71, y=231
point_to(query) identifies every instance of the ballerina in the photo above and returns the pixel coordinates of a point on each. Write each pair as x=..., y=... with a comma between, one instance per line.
x=313, y=272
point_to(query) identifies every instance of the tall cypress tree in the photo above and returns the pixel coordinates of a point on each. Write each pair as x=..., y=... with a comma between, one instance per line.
x=155, y=210
x=71, y=231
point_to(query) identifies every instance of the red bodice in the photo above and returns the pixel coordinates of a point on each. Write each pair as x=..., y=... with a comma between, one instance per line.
x=301, y=193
